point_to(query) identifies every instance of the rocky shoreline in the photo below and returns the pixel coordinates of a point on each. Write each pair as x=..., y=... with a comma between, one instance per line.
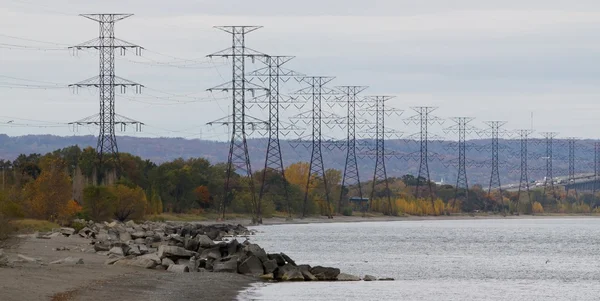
x=192, y=248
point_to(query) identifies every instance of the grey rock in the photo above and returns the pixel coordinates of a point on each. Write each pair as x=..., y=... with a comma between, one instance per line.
x=386, y=279
x=67, y=231
x=308, y=276
x=138, y=234
x=124, y=236
x=229, y=266
x=293, y=275
x=256, y=250
x=144, y=249
x=130, y=224
x=288, y=269
x=270, y=266
x=178, y=268
x=140, y=241
x=191, y=244
x=304, y=267
x=116, y=251
x=160, y=268
x=205, y=241
x=174, y=251
x=347, y=277
x=101, y=246
x=143, y=262
x=3, y=258
x=278, y=258
x=267, y=277
x=211, y=254
x=183, y=261
x=153, y=256
x=369, y=278
x=68, y=261
x=134, y=250
x=252, y=266
x=325, y=273
x=167, y=262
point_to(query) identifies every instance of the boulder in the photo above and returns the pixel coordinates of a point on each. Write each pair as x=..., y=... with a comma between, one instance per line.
x=386, y=279
x=143, y=262
x=205, y=241
x=293, y=275
x=288, y=259
x=112, y=260
x=167, y=262
x=269, y=266
x=116, y=251
x=325, y=273
x=308, y=276
x=252, y=266
x=233, y=247
x=152, y=256
x=69, y=260
x=267, y=277
x=191, y=244
x=138, y=234
x=256, y=250
x=229, y=266
x=304, y=267
x=183, y=261
x=144, y=249
x=130, y=224
x=134, y=250
x=278, y=258
x=87, y=232
x=174, y=251
x=124, y=236
x=369, y=278
x=67, y=231
x=178, y=268
x=347, y=277
x=289, y=270
x=101, y=246
x=211, y=254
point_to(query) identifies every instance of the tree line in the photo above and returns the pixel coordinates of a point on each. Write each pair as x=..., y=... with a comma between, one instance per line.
x=60, y=185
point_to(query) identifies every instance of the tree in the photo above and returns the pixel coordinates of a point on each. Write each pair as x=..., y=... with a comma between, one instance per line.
x=98, y=203
x=47, y=197
x=202, y=196
x=129, y=203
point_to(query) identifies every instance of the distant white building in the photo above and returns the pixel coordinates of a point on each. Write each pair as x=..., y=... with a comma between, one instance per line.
x=440, y=182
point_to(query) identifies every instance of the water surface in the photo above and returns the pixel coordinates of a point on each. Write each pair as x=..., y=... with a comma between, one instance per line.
x=510, y=259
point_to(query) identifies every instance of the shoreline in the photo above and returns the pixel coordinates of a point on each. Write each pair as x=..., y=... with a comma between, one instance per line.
x=274, y=221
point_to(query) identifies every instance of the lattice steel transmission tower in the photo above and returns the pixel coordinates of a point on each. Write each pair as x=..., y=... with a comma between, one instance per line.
x=524, y=169
x=238, y=158
x=495, y=132
x=351, y=172
x=549, y=139
x=380, y=172
x=106, y=81
x=462, y=128
x=274, y=74
x=316, y=92
x=596, y=165
x=571, y=145
x=424, y=119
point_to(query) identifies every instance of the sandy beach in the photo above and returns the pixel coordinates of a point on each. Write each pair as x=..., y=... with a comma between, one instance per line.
x=95, y=281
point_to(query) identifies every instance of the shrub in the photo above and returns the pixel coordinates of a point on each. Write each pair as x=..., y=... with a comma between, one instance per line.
x=347, y=211
x=537, y=208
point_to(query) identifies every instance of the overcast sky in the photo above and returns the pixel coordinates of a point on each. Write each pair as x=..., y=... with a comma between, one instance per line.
x=493, y=60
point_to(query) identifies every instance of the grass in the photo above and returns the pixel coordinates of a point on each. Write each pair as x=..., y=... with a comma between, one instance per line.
x=33, y=225
x=186, y=217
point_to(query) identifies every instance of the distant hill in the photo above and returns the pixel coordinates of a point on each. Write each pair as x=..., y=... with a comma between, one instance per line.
x=164, y=149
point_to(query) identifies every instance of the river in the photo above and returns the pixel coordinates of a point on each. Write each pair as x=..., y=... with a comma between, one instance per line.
x=488, y=259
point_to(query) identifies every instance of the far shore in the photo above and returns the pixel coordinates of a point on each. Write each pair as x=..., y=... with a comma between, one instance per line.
x=358, y=219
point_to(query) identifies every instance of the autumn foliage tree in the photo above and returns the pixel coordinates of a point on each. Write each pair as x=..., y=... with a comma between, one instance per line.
x=129, y=203
x=202, y=196
x=48, y=196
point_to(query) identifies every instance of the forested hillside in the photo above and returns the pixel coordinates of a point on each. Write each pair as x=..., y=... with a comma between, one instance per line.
x=160, y=150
